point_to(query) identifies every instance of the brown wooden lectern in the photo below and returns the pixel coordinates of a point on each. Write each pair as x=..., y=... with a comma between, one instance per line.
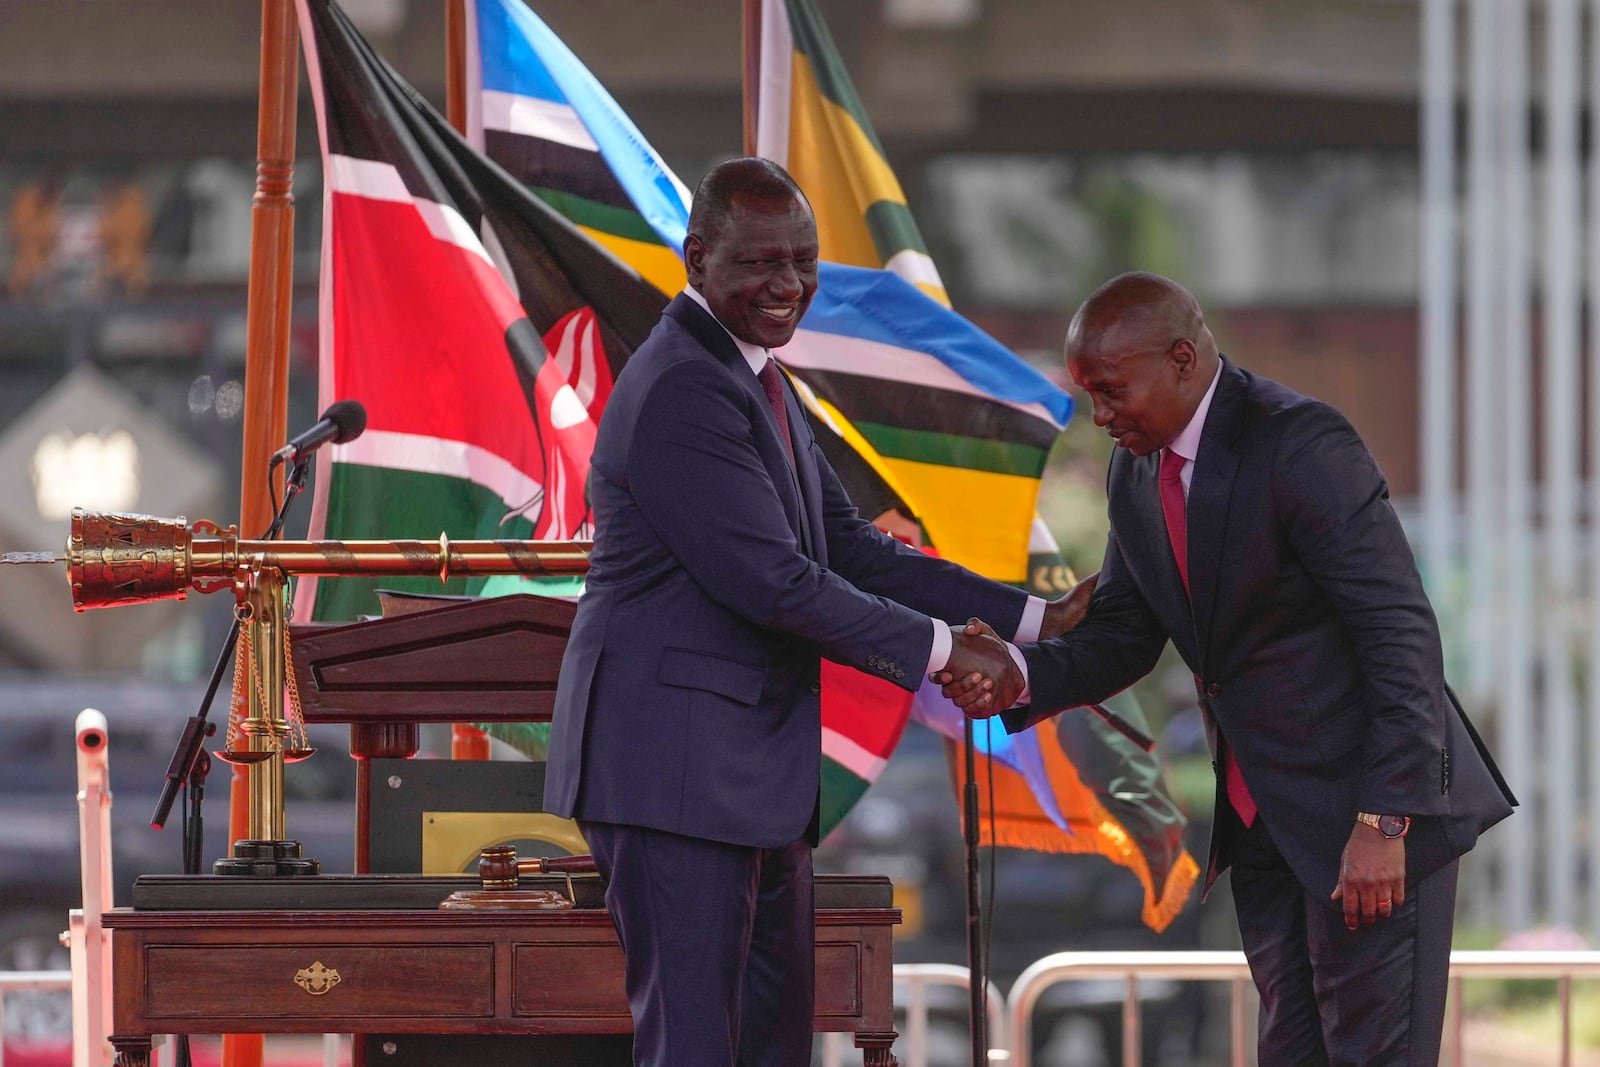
x=371, y=953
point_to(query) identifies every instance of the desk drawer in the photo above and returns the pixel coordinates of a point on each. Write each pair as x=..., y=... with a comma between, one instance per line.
x=319, y=980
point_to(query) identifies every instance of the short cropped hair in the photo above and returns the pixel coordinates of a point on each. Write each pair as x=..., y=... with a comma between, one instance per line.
x=747, y=178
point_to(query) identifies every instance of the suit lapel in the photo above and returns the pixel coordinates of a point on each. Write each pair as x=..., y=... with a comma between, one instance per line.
x=805, y=469
x=714, y=339
x=1140, y=501
x=1210, y=492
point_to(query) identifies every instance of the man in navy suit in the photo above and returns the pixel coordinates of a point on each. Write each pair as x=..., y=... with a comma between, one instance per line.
x=727, y=561
x=1251, y=528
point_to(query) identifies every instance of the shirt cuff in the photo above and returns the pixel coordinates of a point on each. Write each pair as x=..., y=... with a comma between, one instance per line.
x=939, y=654
x=1022, y=666
x=1032, y=621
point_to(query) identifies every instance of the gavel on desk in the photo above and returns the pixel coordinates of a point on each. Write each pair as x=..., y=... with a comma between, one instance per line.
x=499, y=872
x=499, y=868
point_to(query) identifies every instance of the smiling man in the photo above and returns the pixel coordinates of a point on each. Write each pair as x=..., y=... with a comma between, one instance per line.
x=1251, y=528
x=727, y=561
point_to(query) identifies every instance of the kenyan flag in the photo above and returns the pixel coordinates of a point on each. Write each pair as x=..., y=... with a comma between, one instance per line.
x=481, y=329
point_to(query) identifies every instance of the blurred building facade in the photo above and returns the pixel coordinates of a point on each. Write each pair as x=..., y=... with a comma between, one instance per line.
x=1268, y=153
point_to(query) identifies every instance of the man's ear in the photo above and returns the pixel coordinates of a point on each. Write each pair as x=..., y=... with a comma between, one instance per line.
x=1183, y=356
x=694, y=259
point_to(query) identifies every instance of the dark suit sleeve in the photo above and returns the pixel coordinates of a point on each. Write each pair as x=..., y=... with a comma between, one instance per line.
x=1333, y=508
x=699, y=483
x=1116, y=644
x=875, y=562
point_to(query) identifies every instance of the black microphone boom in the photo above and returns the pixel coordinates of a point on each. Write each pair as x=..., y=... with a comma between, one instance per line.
x=343, y=421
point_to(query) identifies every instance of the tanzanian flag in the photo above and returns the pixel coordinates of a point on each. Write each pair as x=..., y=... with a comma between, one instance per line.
x=960, y=429
x=480, y=328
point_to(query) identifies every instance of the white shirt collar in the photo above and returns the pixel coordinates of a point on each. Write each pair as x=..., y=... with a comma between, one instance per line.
x=1187, y=443
x=754, y=355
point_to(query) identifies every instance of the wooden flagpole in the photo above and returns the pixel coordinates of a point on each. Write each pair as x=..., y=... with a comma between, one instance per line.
x=751, y=70
x=267, y=319
x=466, y=740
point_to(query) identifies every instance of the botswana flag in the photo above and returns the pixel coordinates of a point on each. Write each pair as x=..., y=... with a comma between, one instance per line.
x=480, y=328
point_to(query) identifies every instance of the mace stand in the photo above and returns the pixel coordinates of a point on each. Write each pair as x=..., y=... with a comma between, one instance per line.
x=114, y=559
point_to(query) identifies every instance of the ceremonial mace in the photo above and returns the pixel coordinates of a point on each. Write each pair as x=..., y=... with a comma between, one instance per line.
x=114, y=559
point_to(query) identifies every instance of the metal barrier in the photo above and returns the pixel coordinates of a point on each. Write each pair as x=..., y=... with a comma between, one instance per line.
x=28, y=982
x=1009, y=1032
x=915, y=978
x=1230, y=967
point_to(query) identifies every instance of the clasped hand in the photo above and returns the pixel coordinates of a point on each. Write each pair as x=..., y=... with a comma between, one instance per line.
x=981, y=677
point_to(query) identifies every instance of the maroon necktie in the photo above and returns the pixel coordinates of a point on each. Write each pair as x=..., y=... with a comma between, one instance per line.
x=772, y=385
x=1175, y=510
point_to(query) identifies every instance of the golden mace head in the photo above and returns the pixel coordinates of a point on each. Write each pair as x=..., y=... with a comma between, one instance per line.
x=116, y=559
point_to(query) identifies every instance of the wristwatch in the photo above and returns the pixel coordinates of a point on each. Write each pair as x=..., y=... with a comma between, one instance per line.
x=1390, y=826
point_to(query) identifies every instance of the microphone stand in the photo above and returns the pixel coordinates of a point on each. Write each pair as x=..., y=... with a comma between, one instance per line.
x=190, y=762
x=977, y=987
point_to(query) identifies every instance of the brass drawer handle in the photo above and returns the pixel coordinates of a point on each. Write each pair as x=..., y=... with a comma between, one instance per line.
x=316, y=979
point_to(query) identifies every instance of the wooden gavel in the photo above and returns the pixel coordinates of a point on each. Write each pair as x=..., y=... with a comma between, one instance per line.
x=499, y=868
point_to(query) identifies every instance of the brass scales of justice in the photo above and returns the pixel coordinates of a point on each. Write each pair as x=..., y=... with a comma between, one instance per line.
x=114, y=559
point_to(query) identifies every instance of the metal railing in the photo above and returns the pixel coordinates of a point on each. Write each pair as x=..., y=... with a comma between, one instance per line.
x=1010, y=1019
x=1231, y=967
x=916, y=979
x=28, y=982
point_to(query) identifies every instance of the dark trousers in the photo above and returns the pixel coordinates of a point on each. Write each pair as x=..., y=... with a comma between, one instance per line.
x=719, y=942
x=1332, y=996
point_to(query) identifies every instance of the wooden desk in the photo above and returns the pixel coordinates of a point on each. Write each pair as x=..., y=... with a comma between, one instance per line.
x=414, y=971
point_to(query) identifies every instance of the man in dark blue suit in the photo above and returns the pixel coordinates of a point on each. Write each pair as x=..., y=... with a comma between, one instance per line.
x=1251, y=528
x=727, y=561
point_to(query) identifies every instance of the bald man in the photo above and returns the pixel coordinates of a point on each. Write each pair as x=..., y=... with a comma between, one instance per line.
x=1251, y=528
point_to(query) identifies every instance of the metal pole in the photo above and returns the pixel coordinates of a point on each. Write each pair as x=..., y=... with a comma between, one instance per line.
x=1593, y=694
x=1483, y=342
x=1438, y=319
x=1561, y=450
x=976, y=1014
x=1516, y=688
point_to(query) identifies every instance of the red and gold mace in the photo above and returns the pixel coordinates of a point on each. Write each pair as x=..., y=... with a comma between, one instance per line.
x=114, y=559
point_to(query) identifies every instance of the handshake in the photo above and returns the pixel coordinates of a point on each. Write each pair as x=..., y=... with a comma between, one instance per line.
x=981, y=676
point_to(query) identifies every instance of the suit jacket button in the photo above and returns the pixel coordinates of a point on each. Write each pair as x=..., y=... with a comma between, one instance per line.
x=1213, y=689
x=816, y=688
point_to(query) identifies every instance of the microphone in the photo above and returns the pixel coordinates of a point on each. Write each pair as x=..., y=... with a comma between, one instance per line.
x=343, y=421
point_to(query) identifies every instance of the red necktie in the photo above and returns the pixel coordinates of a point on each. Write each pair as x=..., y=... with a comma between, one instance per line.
x=772, y=385
x=1175, y=510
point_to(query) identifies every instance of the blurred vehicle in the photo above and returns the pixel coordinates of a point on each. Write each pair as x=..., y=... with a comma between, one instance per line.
x=908, y=827
x=39, y=858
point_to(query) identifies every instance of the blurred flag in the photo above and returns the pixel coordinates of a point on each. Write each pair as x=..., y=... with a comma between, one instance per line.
x=537, y=111
x=481, y=329
x=959, y=429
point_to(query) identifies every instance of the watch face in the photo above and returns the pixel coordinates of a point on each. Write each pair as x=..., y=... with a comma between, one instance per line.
x=1392, y=825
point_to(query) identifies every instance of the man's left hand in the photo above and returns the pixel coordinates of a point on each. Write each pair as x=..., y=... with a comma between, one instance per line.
x=1062, y=615
x=1372, y=876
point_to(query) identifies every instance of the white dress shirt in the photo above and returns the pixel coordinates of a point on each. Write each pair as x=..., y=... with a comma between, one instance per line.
x=939, y=654
x=1186, y=446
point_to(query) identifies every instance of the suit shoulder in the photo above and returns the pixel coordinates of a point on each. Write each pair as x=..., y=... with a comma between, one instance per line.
x=669, y=352
x=1293, y=418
